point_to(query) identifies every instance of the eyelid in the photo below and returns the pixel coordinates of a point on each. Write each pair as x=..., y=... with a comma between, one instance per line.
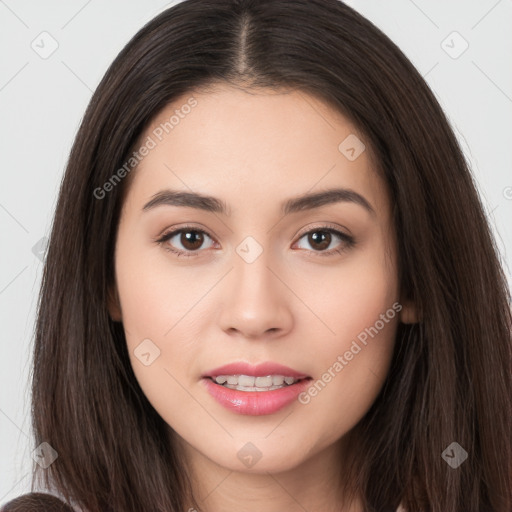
x=348, y=239
x=174, y=230
x=324, y=226
x=171, y=232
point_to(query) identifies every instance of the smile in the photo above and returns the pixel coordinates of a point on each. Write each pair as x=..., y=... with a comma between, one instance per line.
x=251, y=383
x=255, y=400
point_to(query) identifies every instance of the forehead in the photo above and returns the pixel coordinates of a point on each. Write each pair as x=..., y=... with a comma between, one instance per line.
x=266, y=144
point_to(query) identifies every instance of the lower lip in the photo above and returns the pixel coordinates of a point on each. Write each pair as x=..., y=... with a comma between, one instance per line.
x=255, y=403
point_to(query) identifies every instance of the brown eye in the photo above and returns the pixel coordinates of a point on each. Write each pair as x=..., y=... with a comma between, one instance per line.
x=191, y=240
x=184, y=241
x=320, y=239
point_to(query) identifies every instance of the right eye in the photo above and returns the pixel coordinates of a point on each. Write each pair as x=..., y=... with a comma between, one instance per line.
x=190, y=239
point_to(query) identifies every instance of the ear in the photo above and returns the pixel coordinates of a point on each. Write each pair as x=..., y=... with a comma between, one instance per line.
x=113, y=304
x=409, y=313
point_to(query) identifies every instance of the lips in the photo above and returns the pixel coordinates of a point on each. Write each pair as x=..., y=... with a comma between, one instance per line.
x=253, y=400
x=259, y=370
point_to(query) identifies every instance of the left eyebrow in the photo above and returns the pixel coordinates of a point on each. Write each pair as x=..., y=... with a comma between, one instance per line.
x=212, y=204
x=334, y=195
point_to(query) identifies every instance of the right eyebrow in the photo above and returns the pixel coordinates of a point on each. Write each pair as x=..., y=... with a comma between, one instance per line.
x=187, y=199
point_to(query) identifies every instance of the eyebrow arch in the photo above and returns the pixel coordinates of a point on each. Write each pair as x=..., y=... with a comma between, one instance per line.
x=212, y=204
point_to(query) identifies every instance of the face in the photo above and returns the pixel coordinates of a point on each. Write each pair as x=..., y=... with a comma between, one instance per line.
x=258, y=275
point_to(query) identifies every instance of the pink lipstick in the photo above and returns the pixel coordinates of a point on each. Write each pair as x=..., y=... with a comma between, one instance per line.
x=255, y=390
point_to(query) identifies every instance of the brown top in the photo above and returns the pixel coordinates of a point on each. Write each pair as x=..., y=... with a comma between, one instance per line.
x=36, y=502
x=42, y=502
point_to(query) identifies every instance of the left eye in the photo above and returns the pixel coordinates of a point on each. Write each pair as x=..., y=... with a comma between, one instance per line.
x=322, y=238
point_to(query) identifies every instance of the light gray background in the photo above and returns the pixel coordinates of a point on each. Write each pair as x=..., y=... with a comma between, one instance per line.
x=43, y=99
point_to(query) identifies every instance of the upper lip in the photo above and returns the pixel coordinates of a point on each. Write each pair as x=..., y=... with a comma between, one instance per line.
x=259, y=370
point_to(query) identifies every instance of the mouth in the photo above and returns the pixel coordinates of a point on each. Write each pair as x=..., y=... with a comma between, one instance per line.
x=252, y=383
x=255, y=390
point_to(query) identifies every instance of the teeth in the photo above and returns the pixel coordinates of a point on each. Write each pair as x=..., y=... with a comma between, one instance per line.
x=253, y=388
x=246, y=380
x=250, y=383
x=277, y=380
x=261, y=382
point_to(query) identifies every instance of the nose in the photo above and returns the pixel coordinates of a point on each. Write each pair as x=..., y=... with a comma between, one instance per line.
x=256, y=303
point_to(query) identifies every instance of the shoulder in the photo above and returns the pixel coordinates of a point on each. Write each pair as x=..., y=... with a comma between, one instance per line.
x=36, y=502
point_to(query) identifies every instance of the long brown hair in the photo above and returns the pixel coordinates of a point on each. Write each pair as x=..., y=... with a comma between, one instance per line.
x=451, y=375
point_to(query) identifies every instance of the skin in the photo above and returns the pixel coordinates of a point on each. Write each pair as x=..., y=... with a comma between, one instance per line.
x=292, y=305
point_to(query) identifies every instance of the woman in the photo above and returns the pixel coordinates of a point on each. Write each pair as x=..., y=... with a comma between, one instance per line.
x=332, y=333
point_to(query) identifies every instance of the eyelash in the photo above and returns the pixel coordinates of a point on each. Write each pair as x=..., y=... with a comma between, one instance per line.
x=348, y=241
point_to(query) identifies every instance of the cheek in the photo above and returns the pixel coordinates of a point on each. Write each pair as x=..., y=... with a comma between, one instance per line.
x=360, y=307
x=350, y=297
x=157, y=305
x=164, y=306
x=155, y=294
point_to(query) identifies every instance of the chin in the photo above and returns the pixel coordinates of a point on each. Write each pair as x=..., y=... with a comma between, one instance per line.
x=259, y=457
